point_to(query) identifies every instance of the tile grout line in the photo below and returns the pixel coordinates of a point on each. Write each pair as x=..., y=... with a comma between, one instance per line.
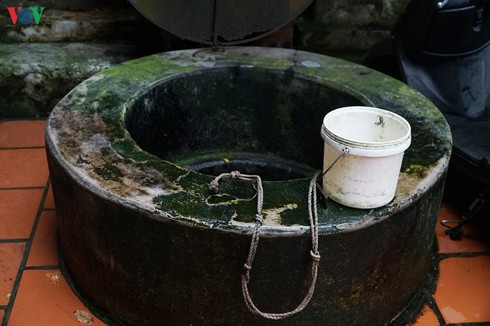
x=21, y=188
x=42, y=268
x=13, y=240
x=4, y=120
x=469, y=254
x=432, y=303
x=23, y=263
x=16, y=148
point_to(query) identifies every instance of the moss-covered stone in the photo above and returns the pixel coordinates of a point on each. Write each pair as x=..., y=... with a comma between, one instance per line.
x=237, y=101
x=133, y=220
x=36, y=76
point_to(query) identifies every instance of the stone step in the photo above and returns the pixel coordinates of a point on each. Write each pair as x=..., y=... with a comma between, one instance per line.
x=35, y=76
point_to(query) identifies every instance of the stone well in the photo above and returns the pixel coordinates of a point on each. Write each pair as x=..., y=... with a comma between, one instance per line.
x=133, y=149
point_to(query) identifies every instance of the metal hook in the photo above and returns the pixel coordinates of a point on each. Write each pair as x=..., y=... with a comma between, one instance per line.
x=454, y=232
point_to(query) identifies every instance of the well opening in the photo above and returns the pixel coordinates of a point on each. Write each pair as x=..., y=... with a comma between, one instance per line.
x=253, y=120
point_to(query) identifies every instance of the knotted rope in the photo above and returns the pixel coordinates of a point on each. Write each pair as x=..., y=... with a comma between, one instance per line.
x=315, y=255
x=259, y=220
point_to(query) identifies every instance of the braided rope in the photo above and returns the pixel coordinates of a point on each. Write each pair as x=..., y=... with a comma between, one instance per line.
x=315, y=255
x=315, y=261
x=259, y=220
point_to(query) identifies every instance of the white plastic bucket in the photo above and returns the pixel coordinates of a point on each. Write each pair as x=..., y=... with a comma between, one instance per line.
x=376, y=139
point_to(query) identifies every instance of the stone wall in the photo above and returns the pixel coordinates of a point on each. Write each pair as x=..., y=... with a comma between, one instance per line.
x=39, y=64
x=349, y=25
x=75, y=39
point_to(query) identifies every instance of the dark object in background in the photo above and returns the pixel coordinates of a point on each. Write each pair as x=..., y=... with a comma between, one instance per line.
x=221, y=22
x=442, y=51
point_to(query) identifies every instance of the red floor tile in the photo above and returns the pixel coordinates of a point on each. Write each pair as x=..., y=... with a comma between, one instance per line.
x=44, y=298
x=49, y=203
x=44, y=251
x=23, y=168
x=10, y=259
x=471, y=240
x=18, y=209
x=427, y=318
x=463, y=289
x=28, y=133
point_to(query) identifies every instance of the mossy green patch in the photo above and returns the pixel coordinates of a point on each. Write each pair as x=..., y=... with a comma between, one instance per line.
x=127, y=148
x=142, y=70
x=221, y=199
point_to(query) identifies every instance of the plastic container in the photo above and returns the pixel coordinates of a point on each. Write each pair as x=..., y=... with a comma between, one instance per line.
x=376, y=139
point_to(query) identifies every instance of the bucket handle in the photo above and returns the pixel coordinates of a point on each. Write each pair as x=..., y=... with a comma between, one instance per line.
x=345, y=150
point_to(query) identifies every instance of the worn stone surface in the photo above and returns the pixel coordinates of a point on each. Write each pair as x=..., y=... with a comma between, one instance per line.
x=135, y=223
x=35, y=76
x=40, y=63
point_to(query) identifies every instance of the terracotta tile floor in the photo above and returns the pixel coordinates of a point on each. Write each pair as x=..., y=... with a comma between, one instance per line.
x=34, y=292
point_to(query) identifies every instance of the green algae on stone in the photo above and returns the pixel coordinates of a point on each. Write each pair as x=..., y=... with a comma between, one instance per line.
x=127, y=148
x=217, y=91
x=143, y=70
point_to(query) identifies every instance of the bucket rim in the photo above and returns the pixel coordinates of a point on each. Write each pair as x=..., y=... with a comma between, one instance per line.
x=367, y=148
